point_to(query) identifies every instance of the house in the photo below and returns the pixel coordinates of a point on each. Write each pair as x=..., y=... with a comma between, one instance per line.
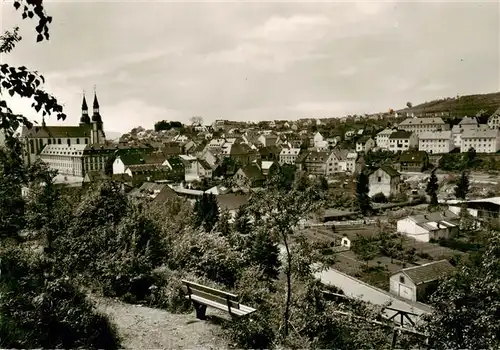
x=271, y=153
x=494, y=120
x=431, y=226
x=249, y=176
x=319, y=141
x=482, y=209
x=413, y=161
x=382, y=138
x=148, y=190
x=483, y=141
x=337, y=162
x=420, y=125
x=364, y=144
x=384, y=180
x=316, y=163
x=436, y=142
x=240, y=152
x=402, y=141
x=417, y=282
x=269, y=168
x=195, y=169
x=350, y=163
x=288, y=155
x=268, y=140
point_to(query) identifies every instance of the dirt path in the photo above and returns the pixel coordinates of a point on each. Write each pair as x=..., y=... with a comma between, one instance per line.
x=142, y=327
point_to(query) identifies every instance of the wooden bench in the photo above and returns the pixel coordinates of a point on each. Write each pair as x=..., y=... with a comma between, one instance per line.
x=202, y=296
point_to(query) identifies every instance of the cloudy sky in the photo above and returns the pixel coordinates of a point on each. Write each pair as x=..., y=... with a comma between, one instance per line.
x=254, y=61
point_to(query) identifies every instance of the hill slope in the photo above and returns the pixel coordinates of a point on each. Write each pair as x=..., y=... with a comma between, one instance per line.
x=461, y=106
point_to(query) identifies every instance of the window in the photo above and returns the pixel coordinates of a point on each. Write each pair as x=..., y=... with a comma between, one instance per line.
x=50, y=141
x=77, y=141
x=86, y=141
x=32, y=146
x=58, y=141
x=379, y=179
x=401, y=279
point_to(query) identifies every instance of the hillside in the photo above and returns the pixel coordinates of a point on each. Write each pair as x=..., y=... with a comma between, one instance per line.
x=468, y=105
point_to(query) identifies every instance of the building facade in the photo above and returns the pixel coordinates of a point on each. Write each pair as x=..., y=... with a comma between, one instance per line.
x=436, y=142
x=420, y=125
x=89, y=131
x=402, y=141
x=482, y=140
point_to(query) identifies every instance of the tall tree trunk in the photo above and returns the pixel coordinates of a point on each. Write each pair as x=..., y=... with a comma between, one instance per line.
x=286, y=316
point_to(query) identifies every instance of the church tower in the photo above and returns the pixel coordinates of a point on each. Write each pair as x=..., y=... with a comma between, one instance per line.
x=84, y=119
x=97, y=135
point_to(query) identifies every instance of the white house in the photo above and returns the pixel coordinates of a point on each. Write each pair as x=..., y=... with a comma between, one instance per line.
x=268, y=139
x=319, y=141
x=436, y=142
x=420, y=125
x=384, y=180
x=402, y=141
x=382, y=138
x=429, y=226
x=365, y=144
x=289, y=155
x=350, y=164
x=494, y=120
x=483, y=141
x=67, y=160
x=412, y=282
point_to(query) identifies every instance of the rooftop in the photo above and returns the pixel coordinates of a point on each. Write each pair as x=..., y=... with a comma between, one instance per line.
x=435, y=135
x=422, y=121
x=429, y=272
x=400, y=134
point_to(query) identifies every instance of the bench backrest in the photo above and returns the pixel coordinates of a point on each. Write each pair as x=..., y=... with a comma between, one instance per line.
x=212, y=294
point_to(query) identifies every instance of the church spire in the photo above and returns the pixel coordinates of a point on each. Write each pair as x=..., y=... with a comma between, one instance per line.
x=85, y=111
x=96, y=116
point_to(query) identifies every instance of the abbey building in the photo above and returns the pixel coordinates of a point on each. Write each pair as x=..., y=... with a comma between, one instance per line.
x=72, y=150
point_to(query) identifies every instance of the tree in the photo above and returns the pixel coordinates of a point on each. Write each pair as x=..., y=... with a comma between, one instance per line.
x=12, y=177
x=462, y=187
x=40, y=309
x=279, y=212
x=43, y=197
x=206, y=211
x=264, y=252
x=466, y=307
x=432, y=187
x=409, y=104
x=363, y=201
x=471, y=156
x=242, y=221
x=365, y=249
x=196, y=120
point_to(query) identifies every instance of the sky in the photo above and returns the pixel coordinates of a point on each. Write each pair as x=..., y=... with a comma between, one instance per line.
x=256, y=61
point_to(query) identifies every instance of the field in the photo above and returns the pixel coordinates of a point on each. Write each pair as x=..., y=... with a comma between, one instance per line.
x=376, y=271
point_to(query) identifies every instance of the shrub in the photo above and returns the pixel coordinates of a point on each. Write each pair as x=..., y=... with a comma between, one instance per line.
x=167, y=291
x=39, y=309
x=379, y=198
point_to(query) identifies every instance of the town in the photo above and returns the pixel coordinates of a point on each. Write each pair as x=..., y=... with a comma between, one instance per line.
x=373, y=230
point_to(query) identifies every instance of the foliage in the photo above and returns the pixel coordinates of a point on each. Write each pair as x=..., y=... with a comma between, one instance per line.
x=379, y=198
x=462, y=187
x=12, y=177
x=118, y=251
x=242, y=221
x=206, y=211
x=39, y=309
x=166, y=125
x=432, y=188
x=22, y=82
x=378, y=158
x=167, y=291
x=363, y=201
x=279, y=213
x=263, y=252
x=228, y=167
x=467, y=306
x=365, y=248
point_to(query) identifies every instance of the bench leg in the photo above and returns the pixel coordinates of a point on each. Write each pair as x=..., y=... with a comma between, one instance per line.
x=200, y=310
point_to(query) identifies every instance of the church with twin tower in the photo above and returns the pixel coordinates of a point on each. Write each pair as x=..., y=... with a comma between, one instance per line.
x=71, y=150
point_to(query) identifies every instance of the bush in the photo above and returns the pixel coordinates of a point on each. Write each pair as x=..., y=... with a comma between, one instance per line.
x=167, y=291
x=379, y=198
x=39, y=309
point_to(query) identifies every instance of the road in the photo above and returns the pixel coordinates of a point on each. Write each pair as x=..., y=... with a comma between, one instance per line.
x=358, y=289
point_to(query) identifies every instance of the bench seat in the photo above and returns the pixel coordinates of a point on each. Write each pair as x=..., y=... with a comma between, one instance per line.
x=241, y=311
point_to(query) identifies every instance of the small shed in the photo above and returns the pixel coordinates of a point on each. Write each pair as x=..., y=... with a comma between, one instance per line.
x=417, y=282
